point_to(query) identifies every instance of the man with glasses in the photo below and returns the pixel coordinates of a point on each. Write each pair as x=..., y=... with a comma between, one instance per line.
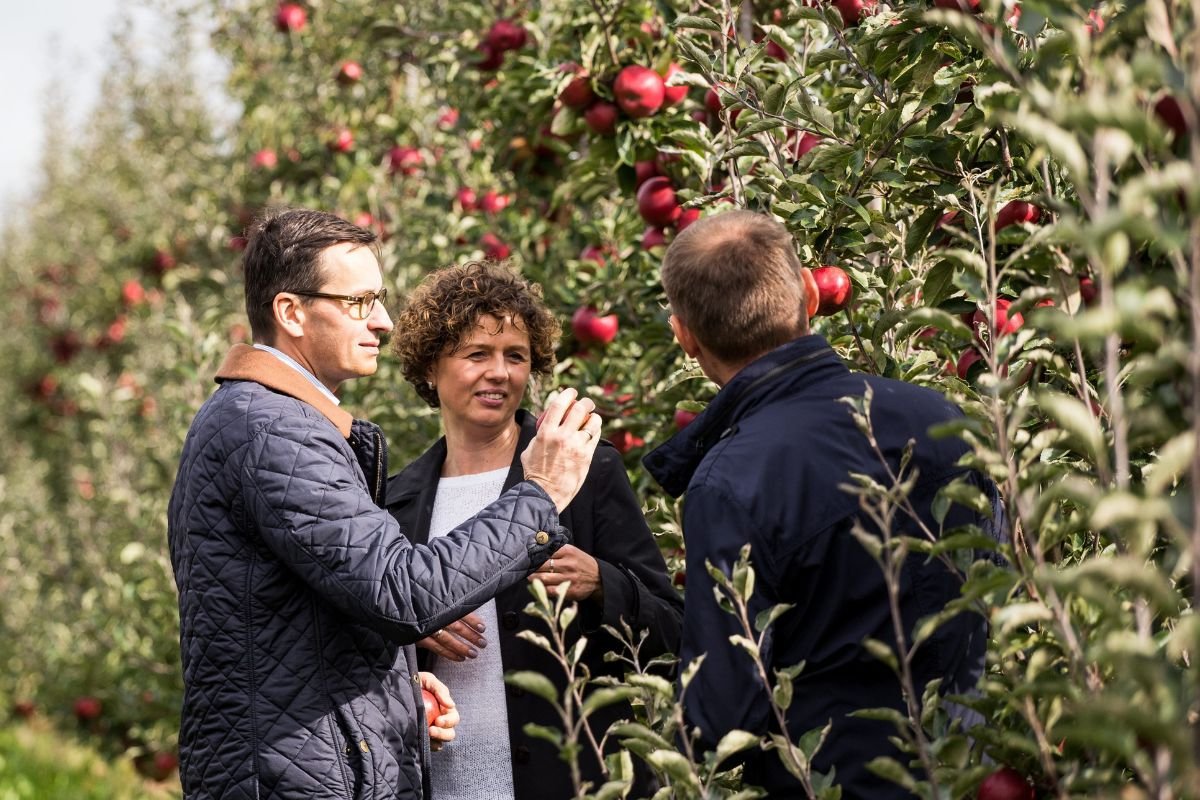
x=299, y=597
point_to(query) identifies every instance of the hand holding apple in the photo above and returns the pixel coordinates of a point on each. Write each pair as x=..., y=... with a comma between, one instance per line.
x=441, y=715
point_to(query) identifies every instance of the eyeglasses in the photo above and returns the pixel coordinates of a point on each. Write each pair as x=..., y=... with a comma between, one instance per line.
x=361, y=306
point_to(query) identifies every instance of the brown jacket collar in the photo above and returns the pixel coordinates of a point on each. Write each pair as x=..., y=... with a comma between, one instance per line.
x=245, y=363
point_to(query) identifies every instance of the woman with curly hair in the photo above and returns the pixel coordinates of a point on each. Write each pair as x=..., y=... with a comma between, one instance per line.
x=469, y=341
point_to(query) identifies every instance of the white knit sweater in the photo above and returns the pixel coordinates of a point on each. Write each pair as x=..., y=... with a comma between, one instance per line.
x=476, y=765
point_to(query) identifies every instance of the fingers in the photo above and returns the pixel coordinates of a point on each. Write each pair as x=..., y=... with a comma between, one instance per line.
x=441, y=692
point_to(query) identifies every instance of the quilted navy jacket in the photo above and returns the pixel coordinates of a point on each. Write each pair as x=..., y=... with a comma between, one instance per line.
x=300, y=598
x=764, y=465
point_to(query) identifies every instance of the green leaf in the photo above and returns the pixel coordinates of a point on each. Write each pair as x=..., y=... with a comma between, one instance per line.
x=696, y=23
x=533, y=682
x=600, y=698
x=676, y=766
x=735, y=742
x=1074, y=417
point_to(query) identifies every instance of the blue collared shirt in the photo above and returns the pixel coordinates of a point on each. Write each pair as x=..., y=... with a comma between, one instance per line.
x=291, y=362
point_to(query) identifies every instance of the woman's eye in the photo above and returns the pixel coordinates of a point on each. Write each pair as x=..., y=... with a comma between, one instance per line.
x=518, y=357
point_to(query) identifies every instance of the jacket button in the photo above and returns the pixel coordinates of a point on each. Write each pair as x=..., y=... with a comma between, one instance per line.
x=509, y=620
x=522, y=754
x=541, y=537
x=362, y=745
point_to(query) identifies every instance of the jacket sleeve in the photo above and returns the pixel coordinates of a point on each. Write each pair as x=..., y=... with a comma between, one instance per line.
x=306, y=498
x=633, y=572
x=726, y=693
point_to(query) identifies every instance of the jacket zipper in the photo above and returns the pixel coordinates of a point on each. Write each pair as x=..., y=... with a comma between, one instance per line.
x=380, y=444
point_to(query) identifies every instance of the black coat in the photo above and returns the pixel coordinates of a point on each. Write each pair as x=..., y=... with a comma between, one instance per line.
x=300, y=598
x=763, y=465
x=605, y=520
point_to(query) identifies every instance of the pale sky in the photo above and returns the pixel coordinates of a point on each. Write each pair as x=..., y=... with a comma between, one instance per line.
x=42, y=41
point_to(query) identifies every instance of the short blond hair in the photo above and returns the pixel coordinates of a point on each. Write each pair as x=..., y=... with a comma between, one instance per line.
x=734, y=280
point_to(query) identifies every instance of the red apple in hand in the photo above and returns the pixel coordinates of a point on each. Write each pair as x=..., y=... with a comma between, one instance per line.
x=1005, y=784
x=433, y=708
x=639, y=91
x=656, y=201
x=833, y=288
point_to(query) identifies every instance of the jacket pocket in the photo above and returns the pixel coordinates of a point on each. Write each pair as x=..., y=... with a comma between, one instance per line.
x=356, y=755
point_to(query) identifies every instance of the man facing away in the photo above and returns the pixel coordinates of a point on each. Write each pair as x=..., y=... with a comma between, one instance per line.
x=763, y=465
x=299, y=597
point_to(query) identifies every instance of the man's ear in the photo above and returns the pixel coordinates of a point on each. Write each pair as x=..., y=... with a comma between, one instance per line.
x=289, y=315
x=684, y=336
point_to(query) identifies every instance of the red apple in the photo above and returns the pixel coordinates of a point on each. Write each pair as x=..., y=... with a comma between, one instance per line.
x=405, y=160
x=712, y=100
x=164, y=764
x=115, y=332
x=506, y=35
x=490, y=58
x=687, y=217
x=593, y=253
x=673, y=95
x=1005, y=784
x=290, y=18
x=591, y=328
x=683, y=418
x=350, y=72
x=653, y=237
x=1005, y=324
x=853, y=11
x=800, y=142
x=1088, y=291
x=264, y=159
x=601, y=117
x=132, y=293
x=433, y=708
x=447, y=118
x=625, y=441
x=162, y=262
x=644, y=171
x=1171, y=115
x=87, y=708
x=834, y=289
x=24, y=709
x=466, y=199
x=342, y=141
x=1095, y=23
x=966, y=366
x=493, y=247
x=492, y=202
x=578, y=93
x=656, y=201
x=1017, y=211
x=639, y=91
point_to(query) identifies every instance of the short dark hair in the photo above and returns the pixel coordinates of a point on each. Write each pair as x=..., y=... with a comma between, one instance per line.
x=448, y=303
x=734, y=280
x=283, y=254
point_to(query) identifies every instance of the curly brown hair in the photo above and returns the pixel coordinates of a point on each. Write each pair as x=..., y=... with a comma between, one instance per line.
x=448, y=303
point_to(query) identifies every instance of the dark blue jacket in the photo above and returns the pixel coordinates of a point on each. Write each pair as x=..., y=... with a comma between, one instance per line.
x=763, y=465
x=606, y=521
x=300, y=598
